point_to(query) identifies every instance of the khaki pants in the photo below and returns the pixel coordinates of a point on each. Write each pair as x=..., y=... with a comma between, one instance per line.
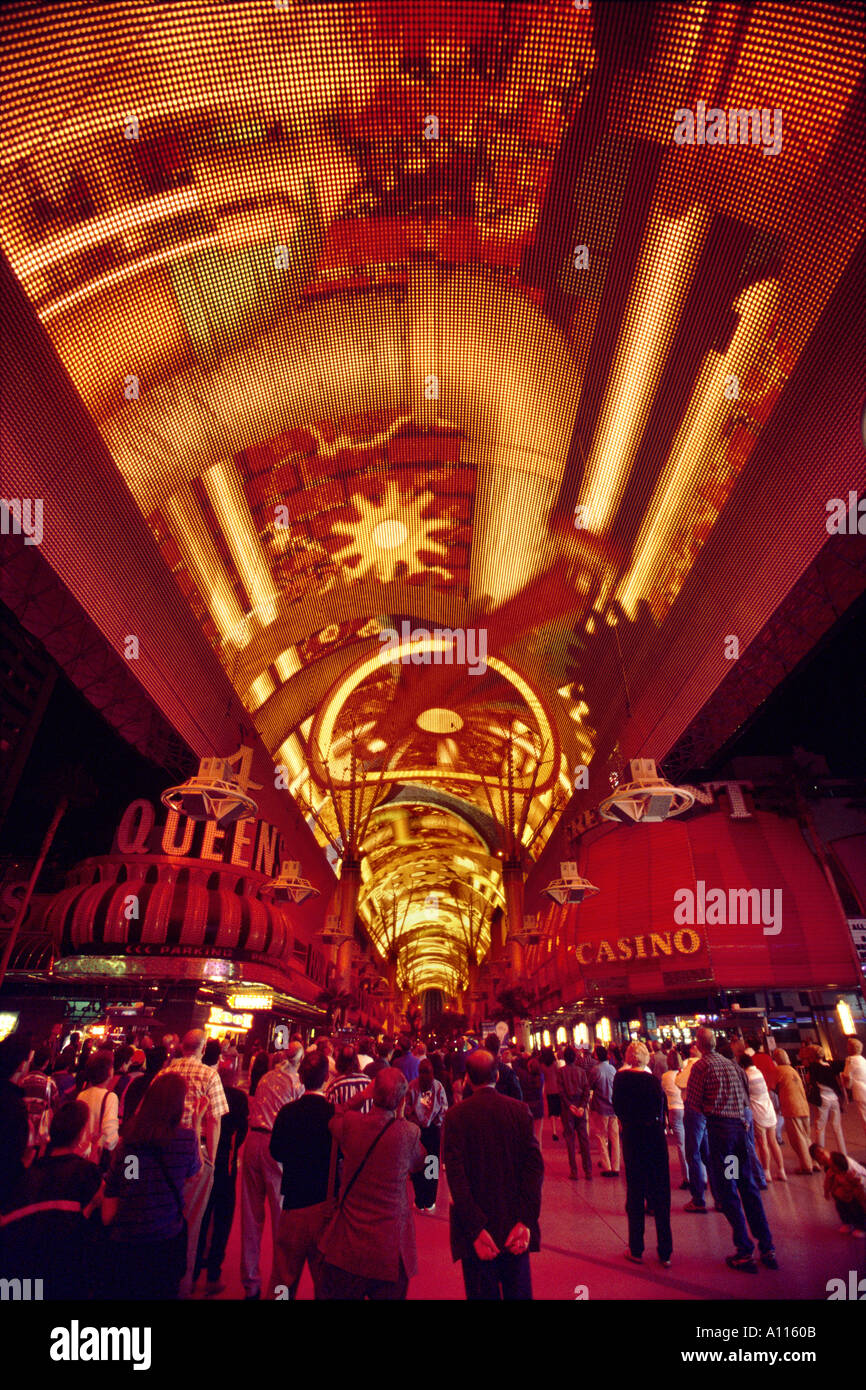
x=260, y=1192
x=297, y=1244
x=196, y=1194
x=797, y=1130
x=606, y=1130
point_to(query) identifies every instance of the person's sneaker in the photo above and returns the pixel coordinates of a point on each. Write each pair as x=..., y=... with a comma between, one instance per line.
x=574, y=1177
x=610, y=1173
x=845, y=1230
x=768, y=1259
x=665, y=1264
x=555, y=1138
x=635, y=1259
x=684, y=1187
x=744, y=1263
x=858, y=1234
x=695, y=1206
x=251, y=1297
x=214, y=1287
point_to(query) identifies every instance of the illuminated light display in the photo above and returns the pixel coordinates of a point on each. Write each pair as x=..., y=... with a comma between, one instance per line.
x=8, y=1024
x=373, y=375
x=439, y=721
x=223, y=1020
x=249, y=1002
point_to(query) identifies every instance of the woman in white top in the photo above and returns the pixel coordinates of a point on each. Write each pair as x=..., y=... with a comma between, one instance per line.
x=854, y=1076
x=103, y=1127
x=676, y=1112
x=764, y=1117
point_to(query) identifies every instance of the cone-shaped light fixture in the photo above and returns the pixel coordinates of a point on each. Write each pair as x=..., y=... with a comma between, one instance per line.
x=289, y=884
x=214, y=793
x=570, y=888
x=647, y=797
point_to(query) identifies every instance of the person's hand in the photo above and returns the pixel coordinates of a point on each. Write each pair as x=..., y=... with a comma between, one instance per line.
x=518, y=1239
x=577, y=1110
x=485, y=1246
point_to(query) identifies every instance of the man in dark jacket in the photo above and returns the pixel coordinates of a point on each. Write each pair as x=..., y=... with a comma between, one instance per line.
x=368, y=1249
x=495, y=1173
x=575, y=1086
x=507, y=1080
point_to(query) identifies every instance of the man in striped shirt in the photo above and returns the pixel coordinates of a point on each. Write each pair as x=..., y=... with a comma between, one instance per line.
x=349, y=1081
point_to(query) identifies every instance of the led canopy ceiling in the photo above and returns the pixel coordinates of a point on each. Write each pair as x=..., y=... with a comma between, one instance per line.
x=432, y=353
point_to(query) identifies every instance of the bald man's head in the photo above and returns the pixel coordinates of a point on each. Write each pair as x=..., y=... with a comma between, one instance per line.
x=481, y=1066
x=193, y=1043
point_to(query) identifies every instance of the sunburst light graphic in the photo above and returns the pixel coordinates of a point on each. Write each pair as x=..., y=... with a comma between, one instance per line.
x=391, y=533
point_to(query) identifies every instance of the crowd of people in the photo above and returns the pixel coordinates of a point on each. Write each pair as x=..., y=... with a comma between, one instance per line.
x=120, y=1173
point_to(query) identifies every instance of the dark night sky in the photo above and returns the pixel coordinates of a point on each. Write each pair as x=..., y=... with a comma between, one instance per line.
x=820, y=707
x=72, y=732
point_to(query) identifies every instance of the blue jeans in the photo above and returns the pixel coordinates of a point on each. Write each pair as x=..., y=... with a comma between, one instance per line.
x=507, y=1277
x=698, y=1156
x=754, y=1162
x=677, y=1124
x=740, y=1196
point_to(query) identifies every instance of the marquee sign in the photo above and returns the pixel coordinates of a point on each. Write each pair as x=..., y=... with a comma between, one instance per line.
x=646, y=946
x=248, y=844
x=178, y=887
x=661, y=925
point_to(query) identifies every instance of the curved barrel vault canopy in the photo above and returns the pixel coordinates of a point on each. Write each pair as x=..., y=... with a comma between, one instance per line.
x=356, y=373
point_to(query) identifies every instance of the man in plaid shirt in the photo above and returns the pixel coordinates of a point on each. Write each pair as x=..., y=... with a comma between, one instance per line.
x=718, y=1088
x=204, y=1092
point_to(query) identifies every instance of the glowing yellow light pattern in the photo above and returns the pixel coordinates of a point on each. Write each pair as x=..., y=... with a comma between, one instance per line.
x=317, y=272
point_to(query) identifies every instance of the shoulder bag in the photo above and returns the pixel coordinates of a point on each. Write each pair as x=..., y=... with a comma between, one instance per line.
x=334, y=1218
